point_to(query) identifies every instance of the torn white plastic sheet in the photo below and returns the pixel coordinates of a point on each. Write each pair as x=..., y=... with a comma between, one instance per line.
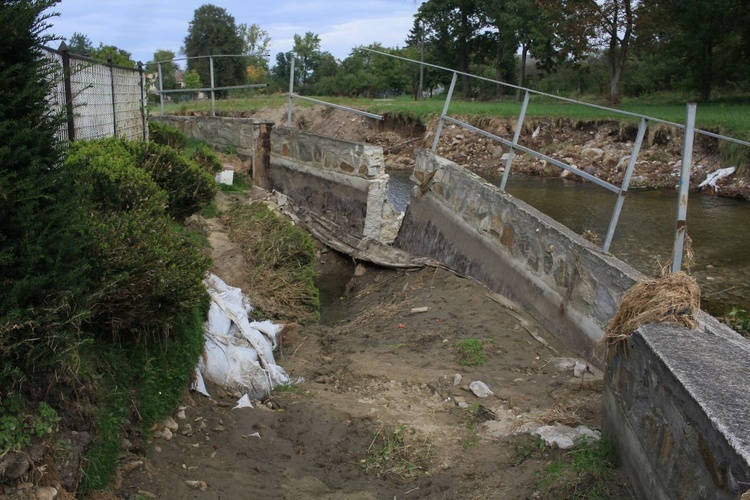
x=713, y=177
x=238, y=353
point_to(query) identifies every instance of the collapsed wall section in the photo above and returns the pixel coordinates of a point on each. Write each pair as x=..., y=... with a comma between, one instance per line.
x=343, y=181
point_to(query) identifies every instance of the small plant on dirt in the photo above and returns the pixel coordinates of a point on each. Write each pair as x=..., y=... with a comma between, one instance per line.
x=470, y=352
x=580, y=473
x=210, y=211
x=739, y=320
x=528, y=447
x=470, y=422
x=290, y=389
x=18, y=426
x=398, y=453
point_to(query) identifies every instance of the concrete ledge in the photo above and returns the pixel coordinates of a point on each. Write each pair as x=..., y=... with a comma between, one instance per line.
x=677, y=403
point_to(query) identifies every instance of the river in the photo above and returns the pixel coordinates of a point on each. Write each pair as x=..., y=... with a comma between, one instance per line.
x=719, y=228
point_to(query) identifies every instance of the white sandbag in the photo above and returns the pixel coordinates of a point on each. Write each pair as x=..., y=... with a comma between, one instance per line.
x=237, y=355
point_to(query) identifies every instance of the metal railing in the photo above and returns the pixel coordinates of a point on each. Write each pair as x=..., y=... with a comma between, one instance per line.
x=98, y=100
x=292, y=96
x=688, y=128
x=213, y=88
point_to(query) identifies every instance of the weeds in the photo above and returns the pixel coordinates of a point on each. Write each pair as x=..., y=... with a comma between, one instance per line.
x=739, y=320
x=580, y=473
x=470, y=422
x=470, y=352
x=529, y=447
x=18, y=426
x=398, y=453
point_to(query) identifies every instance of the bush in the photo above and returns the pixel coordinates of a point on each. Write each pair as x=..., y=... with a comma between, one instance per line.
x=188, y=187
x=166, y=135
x=207, y=159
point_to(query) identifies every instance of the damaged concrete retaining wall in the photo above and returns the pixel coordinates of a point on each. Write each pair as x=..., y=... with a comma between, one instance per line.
x=341, y=180
x=676, y=405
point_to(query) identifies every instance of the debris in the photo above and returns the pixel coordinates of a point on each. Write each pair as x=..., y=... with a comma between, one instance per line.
x=564, y=437
x=244, y=402
x=417, y=310
x=713, y=177
x=480, y=389
x=504, y=301
x=198, y=485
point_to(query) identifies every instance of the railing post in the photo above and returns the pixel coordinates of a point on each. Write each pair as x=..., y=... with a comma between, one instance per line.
x=68, y=92
x=291, y=95
x=141, y=78
x=687, y=158
x=211, y=67
x=444, y=113
x=624, y=186
x=112, y=86
x=161, y=90
x=516, y=136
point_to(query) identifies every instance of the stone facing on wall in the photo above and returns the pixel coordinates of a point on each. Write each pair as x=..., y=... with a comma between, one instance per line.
x=580, y=284
x=223, y=132
x=341, y=180
x=678, y=401
x=677, y=404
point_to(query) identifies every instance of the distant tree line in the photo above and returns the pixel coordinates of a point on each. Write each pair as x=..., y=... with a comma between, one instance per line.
x=612, y=48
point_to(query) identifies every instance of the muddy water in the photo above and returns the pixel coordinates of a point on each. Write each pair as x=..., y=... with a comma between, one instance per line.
x=719, y=228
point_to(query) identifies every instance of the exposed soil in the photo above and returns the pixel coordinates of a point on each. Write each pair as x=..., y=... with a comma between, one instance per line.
x=372, y=368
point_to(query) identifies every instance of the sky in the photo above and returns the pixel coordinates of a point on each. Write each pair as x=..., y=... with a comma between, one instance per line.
x=141, y=26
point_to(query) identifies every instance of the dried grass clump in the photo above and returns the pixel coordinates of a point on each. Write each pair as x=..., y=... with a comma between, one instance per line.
x=561, y=413
x=670, y=298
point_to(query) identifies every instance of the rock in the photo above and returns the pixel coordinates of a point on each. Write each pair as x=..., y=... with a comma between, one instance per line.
x=563, y=436
x=457, y=379
x=126, y=445
x=13, y=465
x=170, y=424
x=167, y=434
x=46, y=493
x=593, y=154
x=579, y=369
x=181, y=415
x=480, y=389
x=360, y=270
x=187, y=430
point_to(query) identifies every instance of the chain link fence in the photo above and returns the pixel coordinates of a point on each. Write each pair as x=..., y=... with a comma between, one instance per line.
x=98, y=100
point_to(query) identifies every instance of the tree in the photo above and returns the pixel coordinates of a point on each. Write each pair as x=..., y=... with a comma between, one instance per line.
x=214, y=32
x=255, y=43
x=119, y=56
x=453, y=26
x=307, y=51
x=80, y=44
x=168, y=68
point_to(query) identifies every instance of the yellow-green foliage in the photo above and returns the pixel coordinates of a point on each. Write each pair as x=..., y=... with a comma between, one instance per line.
x=282, y=259
x=166, y=135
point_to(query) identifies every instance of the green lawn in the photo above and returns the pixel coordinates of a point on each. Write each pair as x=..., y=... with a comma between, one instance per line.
x=730, y=117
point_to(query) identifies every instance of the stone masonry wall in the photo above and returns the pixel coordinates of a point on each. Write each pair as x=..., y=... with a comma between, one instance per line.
x=341, y=180
x=676, y=401
x=223, y=132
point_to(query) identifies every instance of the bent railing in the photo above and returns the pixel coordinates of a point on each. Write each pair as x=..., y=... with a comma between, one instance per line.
x=688, y=129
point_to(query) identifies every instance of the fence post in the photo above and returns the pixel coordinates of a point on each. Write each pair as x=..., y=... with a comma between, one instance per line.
x=144, y=108
x=291, y=94
x=624, y=186
x=68, y=92
x=687, y=158
x=262, y=156
x=161, y=90
x=444, y=113
x=112, y=86
x=211, y=67
x=516, y=136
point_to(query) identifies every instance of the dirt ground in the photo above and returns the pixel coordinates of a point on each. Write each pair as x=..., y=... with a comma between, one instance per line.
x=381, y=406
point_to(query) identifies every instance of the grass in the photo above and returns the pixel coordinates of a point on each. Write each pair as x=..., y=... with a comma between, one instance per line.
x=726, y=114
x=528, y=447
x=470, y=352
x=581, y=473
x=470, y=423
x=281, y=257
x=240, y=184
x=290, y=389
x=398, y=453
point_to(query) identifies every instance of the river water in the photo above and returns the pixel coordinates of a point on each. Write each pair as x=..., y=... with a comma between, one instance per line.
x=719, y=228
